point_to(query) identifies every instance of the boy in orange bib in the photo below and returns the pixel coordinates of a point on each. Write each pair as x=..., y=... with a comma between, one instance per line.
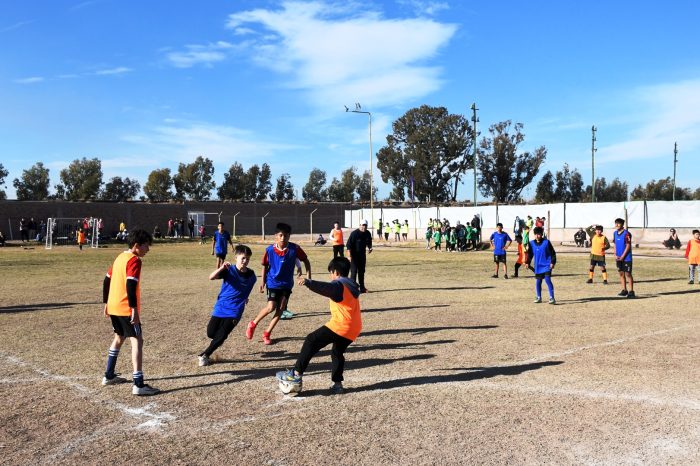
x=692, y=253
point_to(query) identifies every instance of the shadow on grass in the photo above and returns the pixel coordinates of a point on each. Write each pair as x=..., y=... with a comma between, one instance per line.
x=424, y=330
x=656, y=280
x=40, y=307
x=602, y=298
x=671, y=293
x=439, y=288
x=402, y=308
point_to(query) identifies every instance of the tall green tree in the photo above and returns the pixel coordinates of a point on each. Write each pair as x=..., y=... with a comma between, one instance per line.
x=284, y=190
x=3, y=175
x=504, y=172
x=33, y=184
x=363, y=187
x=81, y=181
x=120, y=190
x=315, y=188
x=250, y=183
x=569, y=185
x=195, y=180
x=439, y=143
x=343, y=189
x=544, y=193
x=616, y=191
x=158, y=186
x=264, y=185
x=661, y=190
x=232, y=189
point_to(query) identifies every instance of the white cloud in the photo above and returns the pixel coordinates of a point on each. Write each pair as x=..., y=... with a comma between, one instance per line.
x=200, y=54
x=15, y=26
x=30, y=80
x=113, y=71
x=425, y=7
x=358, y=57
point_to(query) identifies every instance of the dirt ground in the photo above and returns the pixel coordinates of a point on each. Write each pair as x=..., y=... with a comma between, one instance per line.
x=452, y=367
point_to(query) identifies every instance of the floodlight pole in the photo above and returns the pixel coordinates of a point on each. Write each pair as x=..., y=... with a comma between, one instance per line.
x=675, y=161
x=358, y=109
x=476, y=153
x=593, y=151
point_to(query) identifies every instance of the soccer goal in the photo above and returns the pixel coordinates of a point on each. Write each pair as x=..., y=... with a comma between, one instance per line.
x=64, y=231
x=208, y=220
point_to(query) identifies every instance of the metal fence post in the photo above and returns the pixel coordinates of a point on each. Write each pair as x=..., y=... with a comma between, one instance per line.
x=263, y=225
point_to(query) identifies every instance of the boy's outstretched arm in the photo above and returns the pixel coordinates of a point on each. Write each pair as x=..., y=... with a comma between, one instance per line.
x=218, y=273
x=332, y=290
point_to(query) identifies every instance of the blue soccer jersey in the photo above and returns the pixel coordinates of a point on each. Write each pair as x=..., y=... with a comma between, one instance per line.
x=281, y=263
x=543, y=255
x=235, y=289
x=499, y=242
x=221, y=241
x=622, y=239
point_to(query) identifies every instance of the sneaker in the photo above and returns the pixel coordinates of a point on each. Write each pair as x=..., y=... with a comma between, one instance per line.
x=266, y=338
x=537, y=300
x=590, y=280
x=250, y=330
x=623, y=293
x=631, y=295
x=364, y=290
x=494, y=276
x=337, y=389
x=552, y=301
x=691, y=282
x=204, y=360
x=288, y=376
x=505, y=276
x=286, y=315
x=113, y=381
x=605, y=282
x=146, y=390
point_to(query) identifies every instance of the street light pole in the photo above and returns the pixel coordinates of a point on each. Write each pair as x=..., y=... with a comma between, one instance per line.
x=358, y=109
x=474, y=135
x=593, y=151
x=675, y=161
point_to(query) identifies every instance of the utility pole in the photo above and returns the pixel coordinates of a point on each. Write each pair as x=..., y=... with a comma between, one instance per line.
x=476, y=152
x=675, y=161
x=593, y=150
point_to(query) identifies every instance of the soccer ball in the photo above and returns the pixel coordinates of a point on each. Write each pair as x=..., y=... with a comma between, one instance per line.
x=289, y=388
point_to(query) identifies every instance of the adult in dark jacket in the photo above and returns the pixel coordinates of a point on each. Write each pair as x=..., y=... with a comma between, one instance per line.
x=358, y=246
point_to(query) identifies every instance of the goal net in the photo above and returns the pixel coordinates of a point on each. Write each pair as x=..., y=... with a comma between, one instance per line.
x=204, y=222
x=64, y=231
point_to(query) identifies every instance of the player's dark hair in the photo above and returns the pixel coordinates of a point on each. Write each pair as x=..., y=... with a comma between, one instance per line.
x=242, y=249
x=340, y=265
x=499, y=224
x=220, y=223
x=696, y=231
x=538, y=231
x=284, y=228
x=620, y=221
x=599, y=227
x=139, y=237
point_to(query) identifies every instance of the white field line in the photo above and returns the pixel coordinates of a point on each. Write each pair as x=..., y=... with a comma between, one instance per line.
x=151, y=418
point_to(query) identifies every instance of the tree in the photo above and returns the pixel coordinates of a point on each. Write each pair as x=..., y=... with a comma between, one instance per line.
x=232, y=188
x=3, y=175
x=615, y=192
x=696, y=194
x=34, y=183
x=504, y=173
x=363, y=187
x=343, y=189
x=194, y=180
x=440, y=145
x=284, y=190
x=315, y=189
x=661, y=190
x=264, y=184
x=250, y=183
x=569, y=185
x=158, y=185
x=121, y=190
x=544, y=193
x=81, y=181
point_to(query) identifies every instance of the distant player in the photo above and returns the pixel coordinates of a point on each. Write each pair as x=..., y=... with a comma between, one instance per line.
x=692, y=253
x=522, y=256
x=336, y=237
x=542, y=252
x=623, y=257
x=122, y=297
x=599, y=244
x=237, y=282
x=219, y=246
x=278, y=264
x=81, y=238
x=500, y=241
x=343, y=328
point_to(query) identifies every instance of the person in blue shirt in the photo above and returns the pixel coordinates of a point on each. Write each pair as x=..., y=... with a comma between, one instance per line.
x=500, y=240
x=623, y=257
x=237, y=283
x=219, y=246
x=542, y=252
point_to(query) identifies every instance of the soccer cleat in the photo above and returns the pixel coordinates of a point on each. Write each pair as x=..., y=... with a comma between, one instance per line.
x=623, y=293
x=288, y=376
x=286, y=315
x=494, y=276
x=204, y=360
x=552, y=301
x=266, y=338
x=146, y=390
x=691, y=282
x=631, y=295
x=605, y=282
x=113, y=381
x=590, y=280
x=505, y=276
x=537, y=300
x=337, y=389
x=250, y=330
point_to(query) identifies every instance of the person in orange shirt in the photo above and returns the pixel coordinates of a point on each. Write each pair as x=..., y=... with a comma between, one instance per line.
x=692, y=253
x=81, y=238
x=337, y=241
x=522, y=255
x=343, y=328
x=122, y=297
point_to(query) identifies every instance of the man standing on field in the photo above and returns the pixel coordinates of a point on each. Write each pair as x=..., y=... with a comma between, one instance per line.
x=359, y=241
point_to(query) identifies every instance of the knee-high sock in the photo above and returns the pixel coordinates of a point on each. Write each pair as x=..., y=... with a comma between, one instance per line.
x=550, y=285
x=111, y=362
x=691, y=271
x=538, y=287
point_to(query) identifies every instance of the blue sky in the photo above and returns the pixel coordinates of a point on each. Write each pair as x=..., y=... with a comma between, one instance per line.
x=145, y=85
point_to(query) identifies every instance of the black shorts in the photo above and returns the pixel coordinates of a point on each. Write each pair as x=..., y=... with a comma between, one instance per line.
x=124, y=328
x=221, y=256
x=499, y=258
x=598, y=263
x=540, y=276
x=277, y=294
x=624, y=266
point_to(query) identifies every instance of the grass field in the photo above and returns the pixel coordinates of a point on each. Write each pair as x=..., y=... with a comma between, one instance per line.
x=452, y=367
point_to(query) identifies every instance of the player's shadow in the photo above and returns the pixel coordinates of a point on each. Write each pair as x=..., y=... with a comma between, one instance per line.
x=601, y=298
x=39, y=307
x=671, y=293
x=402, y=308
x=424, y=330
x=438, y=288
x=397, y=265
x=656, y=280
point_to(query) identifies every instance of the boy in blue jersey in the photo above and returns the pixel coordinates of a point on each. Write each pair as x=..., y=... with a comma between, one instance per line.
x=545, y=257
x=278, y=264
x=623, y=257
x=500, y=240
x=237, y=283
x=219, y=246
